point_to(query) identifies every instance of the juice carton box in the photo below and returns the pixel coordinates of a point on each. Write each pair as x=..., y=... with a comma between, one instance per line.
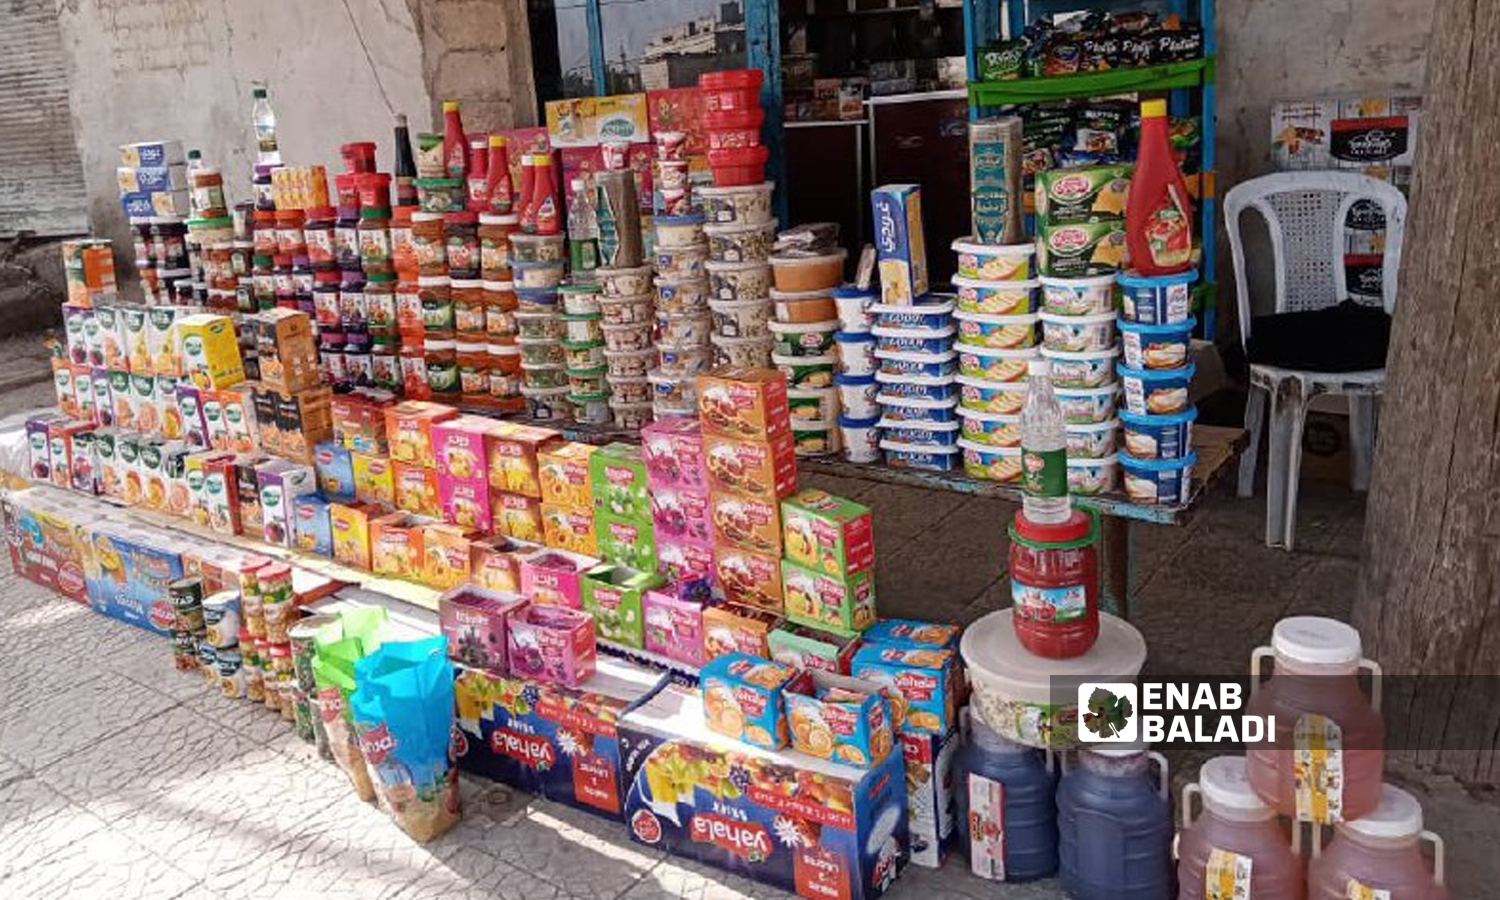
x=554, y=644
x=827, y=533
x=683, y=558
x=813, y=649
x=350, y=524
x=82, y=378
x=239, y=417
x=119, y=394
x=262, y=412
x=728, y=628
x=174, y=466
x=925, y=680
x=359, y=419
x=38, y=446
x=912, y=633
x=813, y=597
x=148, y=468
x=165, y=398
x=552, y=577
x=221, y=493
x=749, y=577
x=466, y=503
x=408, y=428
x=672, y=449
x=474, y=622
x=83, y=464
x=512, y=452
x=106, y=460
x=446, y=551
x=495, y=562
x=681, y=514
x=134, y=324
x=569, y=528
x=846, y=841
x=625, y=542
x=743, y=699
x=62, y=436
x=335, y=469
x=746, y=520
x=247, y=492
x=841, y=718
x=128, y=459
x=900, y=248
x=416, y=489
x=62, y=387
x=517, y=516
x=281, y=483
x=761, y=468
x=104, y=401
x=1081, y=195
x=396, y=544
x=932, y=804
x=674, y=622
x=111, y=327
x=612, y=595
x=304, y=419
x=210, y=350
x=617, y=479
x=742, y=402
x=285, y=346
x=161, y=339
x=143, y=398
x=563, y=470
x=374, y=478
x=313, y=527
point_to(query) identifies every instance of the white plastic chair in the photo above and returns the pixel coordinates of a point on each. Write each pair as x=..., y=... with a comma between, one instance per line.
x=1305, y=213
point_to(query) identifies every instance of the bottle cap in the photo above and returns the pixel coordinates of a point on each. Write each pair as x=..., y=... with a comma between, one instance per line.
x=450, y=106
x=1316, y=641
x=1153, y=109
x=258, y=93
x=497, y=140
x=1397, y=815
x=1226, y=785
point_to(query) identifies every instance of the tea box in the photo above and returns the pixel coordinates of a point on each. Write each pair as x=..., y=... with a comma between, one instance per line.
x=569, y=528
x=749, y=521
x=827, y=533
x=396, y=544
x=796, y=823
x=744, y=402
x=900, y=249
x=813, y=649
x=612, y=595
x=280, y=483
x=926, y=680
x=728, y=628
x=494, y=562
x=840, y=718
x=763, y=468
x=416, y=489
x=912, y=633
x=446, y=551
x=617, y=476
x=681, y=513
x=679, y=558
x=554, y=644
x=350, y=524
x=749, y=577
x=335, y=469
x=552, y=577
x=474, y=622
x=563, y=472
x=512, y=454
x=374, y=479
x=517, y=516
x=359, y=419
x=210, y=350
x=932, y=804
x=672, y=449
x=673, y=620
x=408, y=428
x=312, y=526
x=812, y=597
x=743, y=698
x=625, y=542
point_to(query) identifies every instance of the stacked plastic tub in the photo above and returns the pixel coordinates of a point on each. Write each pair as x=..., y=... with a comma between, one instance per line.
x=682, y=317
x=806, y=267
x=854, y=347
x=1080, y=339
x=739, y=215
x=916, y=383
x=537, y=263
x=1156, y=327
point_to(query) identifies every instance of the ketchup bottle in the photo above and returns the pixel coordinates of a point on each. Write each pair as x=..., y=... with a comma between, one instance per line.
x=455, y=146
x=479, y=168
x=526, y=203
x=498, y=187
x=1054, y=584
x=1159, y=212
x=545, y=207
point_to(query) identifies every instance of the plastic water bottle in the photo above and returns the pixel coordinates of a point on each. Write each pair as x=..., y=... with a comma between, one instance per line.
x=266, y=149
x=583, y=229
x=1044, y=450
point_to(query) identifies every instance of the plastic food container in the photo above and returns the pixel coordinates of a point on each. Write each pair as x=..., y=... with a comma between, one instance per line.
x=991, y=463
x=754, y=353
x=916, y=410
x=911, y=456
x=1166, y=482
x=537, y=275
x=1094, y=440
x=579, y=299
x=1092, y=369
x=663, y=409
x=800, y=274
x=630, y=390
x=635, y=310
x=861, y=436
x=533, y=300
x=853, y=306
x=1078, y=334
x=627, y=337
x=1157, y=346
x=681, y=262
x=686, y=359
x=536, y=326
x=1003, y=398
x=1087, y=296
x=820, y=405
x=913, y=340
x=531, y=248
x=582, y=355
x=629, y=363
x=995, y=262
x=674, y=389
x=923, y=387
x=856, y=352
x=630, y=416
x=587, y=382
x=994, y=364
x=935, y=365
x=730, y=90
x=543, y=375
x=590, y=409
x=688, y=329
x=739, y=281
x=1015, y=332
x=741, y=243
x=738, y=127
x=805, y=371
x=541, y=352
x=1156, y=300
x=673, y=232
x=1088, y=477
x=739, y=166
x=857, y=396
x=747, y=205
x=921, y=434
x=990, y=429
x=1167, y=436
x=631, y=282
x=806, y=306
x=814, y=438
x=741, y=318
x=937, y=314
x=548, y=404
x=998, y=298
x=1154, y=392
x=583, y=329
x=803, y=338
x=1081, y=406
x=682, y=296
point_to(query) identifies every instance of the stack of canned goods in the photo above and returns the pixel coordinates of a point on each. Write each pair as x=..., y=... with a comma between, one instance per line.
x=683, y=320
x=188, y=632
x=537, y=263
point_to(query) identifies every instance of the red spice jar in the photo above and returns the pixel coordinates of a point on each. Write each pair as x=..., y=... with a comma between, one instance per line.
x=317, y=234
x=403, y=251
x=1054, y=579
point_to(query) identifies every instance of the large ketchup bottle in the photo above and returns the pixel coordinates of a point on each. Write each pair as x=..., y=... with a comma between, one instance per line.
x=1159, y=212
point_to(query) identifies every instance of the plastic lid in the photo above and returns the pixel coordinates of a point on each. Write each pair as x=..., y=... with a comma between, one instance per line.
x=321, y=212
x=971, y=244
x=1157, y=465
x=1076, y=527
x=462, y=217
x=433, y=280
x=1153, y=109
x=1147, y=421
x=450, y=106
x=1090, y=319
x=1039, y=368
x=1225, y=783
x=854, y=337
x=1125, y=371
x=1118, y=750
x=1135, y=279
x=847, y=380
x=996, y=658
x=1186, y=325
x=850, y=292
x=1316, y=640
x=1397, y=815
x=846, y=422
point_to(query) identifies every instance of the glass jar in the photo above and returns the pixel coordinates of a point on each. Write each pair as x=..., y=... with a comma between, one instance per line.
x=374, y=240
x=331, y=361
x=264, y=235
x=289, y=240
x=442, y=369
x=317, y=236
x=326, y=298
x=413, y=359
x=437, y=308
x=474, y=372
x=409, y=310
x=385, y=364
x=302, y=289
x=358, y=362
x=505, y=377
x=346, y=239
x=461, y=239
x=286, y=287
x=468, y=309
x=403, y=251
x=380, y=303
x=494, y=245
x=354, y=310
x=429, y=244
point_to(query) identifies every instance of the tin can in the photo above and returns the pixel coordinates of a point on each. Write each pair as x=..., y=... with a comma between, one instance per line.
x=302, y=715
x=270, y=695
x=252, y=618
x=255, y=687
x=184, y=650
x=221, y=618
x=304, y=650
x=208, y=661
x=276, y=601
x=289, y=694
x=186, y=596
x=231, y=670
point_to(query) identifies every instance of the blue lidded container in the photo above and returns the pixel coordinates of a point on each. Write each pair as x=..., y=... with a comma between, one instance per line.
x=1157, y=346
x=917, y=387
x=1161, y=482
x=1156, y=299
x=920, y=434
x=917, y=410
x=1155, y=392
x=1167, y=436
x=931, y=365
x=931, y=458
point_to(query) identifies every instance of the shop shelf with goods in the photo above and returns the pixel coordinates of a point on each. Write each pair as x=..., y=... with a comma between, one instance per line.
x=1188, y=83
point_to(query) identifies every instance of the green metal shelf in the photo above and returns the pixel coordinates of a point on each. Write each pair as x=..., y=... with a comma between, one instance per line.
x=1082, y=85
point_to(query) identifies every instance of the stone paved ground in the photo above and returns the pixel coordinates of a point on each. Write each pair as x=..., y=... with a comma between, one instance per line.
x=120, y=778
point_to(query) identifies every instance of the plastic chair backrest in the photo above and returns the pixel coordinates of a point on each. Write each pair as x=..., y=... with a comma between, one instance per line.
x=1305, y=213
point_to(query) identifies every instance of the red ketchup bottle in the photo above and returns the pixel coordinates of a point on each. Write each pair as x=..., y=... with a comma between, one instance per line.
x=497, y=188
x=1158, y=212
x=455, y=145
x=1054, y=584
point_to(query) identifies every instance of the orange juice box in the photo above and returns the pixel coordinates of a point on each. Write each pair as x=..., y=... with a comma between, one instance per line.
x=350, y=523
x=743, y=698
x=747, y=520
x=374, y=479
x=825, y=532
x=408, y=427
x=564, y=474
x=446, y=550
x=396, y=544
x=161, y=339
x=241, y=422
x=334, y=464
x=416, y=489
x=841, y=718
x=728, y=628
x=63, y=386
x=517, y=516
x=494, y=562
x=143, y=398
x=359, y=419
x=221, y=492
x=567, y=528
x=512, y=452
x=153, y=451
x=762, y=467
x=134, y=326
x=166, y=406
x=744, y=402
x=210, y=351
x=748, y=577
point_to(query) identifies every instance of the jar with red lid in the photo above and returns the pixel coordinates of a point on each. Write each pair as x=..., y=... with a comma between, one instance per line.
x=317, y=235
x=468, y=309
x=385, y=365
x=1054, y=584
x=359, y=157
x=326, y=298
x=437, y=308
x=346, y=238
x=429, y=244
x=413, y=360
x=289, y=232
x=474, y=372
x=461, y=239
x=409, y=311
x=494, y=245
x=264, y=234
x=374, y=190
x=403, y=253
x=442, y=370
x=346, y=186
x=374, y=239
x=380, y=304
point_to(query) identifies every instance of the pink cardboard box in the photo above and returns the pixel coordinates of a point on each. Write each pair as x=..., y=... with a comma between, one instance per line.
x=674, y=620
x=474, y=621
x=681, y=514
x=462, y=471
x=551, y=577
x=679, y=559
x=673, y=451
x=553, y=644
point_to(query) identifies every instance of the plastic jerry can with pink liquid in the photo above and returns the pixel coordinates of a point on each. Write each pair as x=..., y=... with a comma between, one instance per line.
x=1326, y=762
x=1114, y=824
x=1235, y=848
x=1379, y=856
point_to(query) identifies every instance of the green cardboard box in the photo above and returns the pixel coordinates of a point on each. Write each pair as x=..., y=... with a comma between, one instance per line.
x=612, y=595
x=625, y=542
x=827, y=533
x=617, y=483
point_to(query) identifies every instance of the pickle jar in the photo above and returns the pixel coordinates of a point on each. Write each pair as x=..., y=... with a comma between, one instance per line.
x=385, y=364
x=442, y=369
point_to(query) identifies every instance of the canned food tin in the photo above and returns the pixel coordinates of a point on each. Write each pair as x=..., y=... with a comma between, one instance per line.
x=304, y=650
x=231, y=671
x=208, y=661
x=221, y=618
x=186, y=596
x=289, y=695
x=255, y=686
x=276, y=601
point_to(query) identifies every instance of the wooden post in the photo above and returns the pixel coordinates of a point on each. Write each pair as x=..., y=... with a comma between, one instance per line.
x=1429, y=599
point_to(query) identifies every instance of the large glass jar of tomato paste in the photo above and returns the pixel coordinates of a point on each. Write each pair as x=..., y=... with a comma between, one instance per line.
x=1054, y=579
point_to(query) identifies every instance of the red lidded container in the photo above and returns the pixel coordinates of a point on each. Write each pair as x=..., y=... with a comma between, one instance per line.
x=374, y=190
x=736, y=89
x=347, y=188
x=1054, y=584
x=738, y=168
x=359, y=156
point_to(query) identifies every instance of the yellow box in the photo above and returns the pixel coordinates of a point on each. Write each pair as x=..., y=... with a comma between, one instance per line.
x=374, y=479
x=416, y=489
x=350, y=524
x=587, y=121
x=446, y=550
x=210, y=351
x=569, y=528
x=563, y=470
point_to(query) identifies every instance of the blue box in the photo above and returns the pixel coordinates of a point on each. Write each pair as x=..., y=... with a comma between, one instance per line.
x=899, y=244
x=151, y=154
x=127, y=574
x=335, y=468
x=146, y=204
x=152, y=178
x=926, y=681
x=311, y=526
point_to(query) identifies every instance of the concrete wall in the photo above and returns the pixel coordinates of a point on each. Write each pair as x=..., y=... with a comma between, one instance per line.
x=478, y=52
